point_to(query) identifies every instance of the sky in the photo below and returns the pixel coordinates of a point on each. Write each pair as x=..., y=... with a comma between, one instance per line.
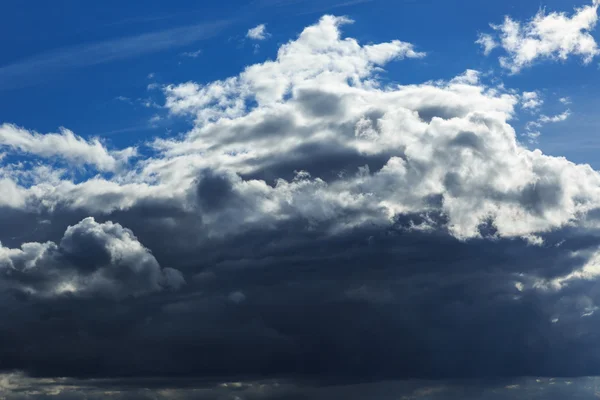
x=288, y=199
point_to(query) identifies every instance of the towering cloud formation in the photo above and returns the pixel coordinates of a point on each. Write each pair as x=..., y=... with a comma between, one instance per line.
x=325, y=226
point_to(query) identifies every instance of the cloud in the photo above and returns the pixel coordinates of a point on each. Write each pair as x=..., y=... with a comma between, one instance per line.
x=259, y=32
x=312, y=5
x=487, y=42
x=65, y=145
x=327, y=226
x=25, y=72
x=16, y=386
x=323, y=6
x=556, y=118
x=531, y=101
x=532, y=127
x=192, y=54
x=91, y=259
x=553, y=36
x=269, y=82
x=565, y=100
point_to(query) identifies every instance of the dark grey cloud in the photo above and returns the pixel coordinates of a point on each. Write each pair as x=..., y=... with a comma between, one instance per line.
x=317, y=103
x=214, y=190
x=427, y=113
x=363, y=306
x=91, y=259
x=184, y=389
x=329, y=162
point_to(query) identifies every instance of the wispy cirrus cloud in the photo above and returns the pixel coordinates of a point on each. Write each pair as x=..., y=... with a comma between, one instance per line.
x=336, y=5
x=326, y=3
x=28, y=71
x=308, y=6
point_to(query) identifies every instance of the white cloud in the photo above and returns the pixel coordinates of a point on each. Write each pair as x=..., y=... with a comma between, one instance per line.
x=124, y=99
x=192, y=54
x=531, y=100
x=555, y=118
x=553, y=36
x=65, y=145
x=321, y=101
x=317, y=55
x=333, y=85
x=532, y=127
x=589, y=271
x=155, y=119
x=259, y=32
x=532, y=135
x=487, y=42
x=565, y=100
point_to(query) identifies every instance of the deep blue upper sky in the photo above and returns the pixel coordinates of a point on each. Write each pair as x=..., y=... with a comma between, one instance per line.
x=84, y=65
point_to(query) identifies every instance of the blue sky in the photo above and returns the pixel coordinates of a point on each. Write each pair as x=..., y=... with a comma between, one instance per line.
x=102, y=88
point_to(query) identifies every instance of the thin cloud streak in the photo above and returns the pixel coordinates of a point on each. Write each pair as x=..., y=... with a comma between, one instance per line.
x=29, y=71
x=134, y=128
x=310, y=6
x=336, y=5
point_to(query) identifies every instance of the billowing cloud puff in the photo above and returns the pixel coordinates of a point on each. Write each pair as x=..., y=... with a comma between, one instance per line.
x=531, y=100
x=324, y=116
x=64, y=145
x=546, y=36
x=91, y=259
x=259, y=32
x=327, y=226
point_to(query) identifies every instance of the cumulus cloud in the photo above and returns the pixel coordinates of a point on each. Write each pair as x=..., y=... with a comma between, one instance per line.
x=259, y=32
x=553, y=36
x=487, y=42
x=326, y=58
x=531, y=101
x=91, y=259
x=64, y=145
x=322, y=221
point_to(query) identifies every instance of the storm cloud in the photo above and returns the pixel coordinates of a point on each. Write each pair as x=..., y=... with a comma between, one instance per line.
x=313, y=225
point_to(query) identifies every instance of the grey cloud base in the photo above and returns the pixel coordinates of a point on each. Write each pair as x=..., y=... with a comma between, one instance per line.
x=312, y=225
x=366, y=305
x=158, y=389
